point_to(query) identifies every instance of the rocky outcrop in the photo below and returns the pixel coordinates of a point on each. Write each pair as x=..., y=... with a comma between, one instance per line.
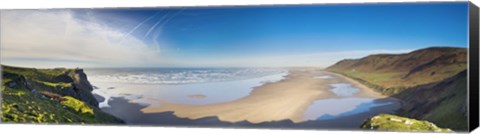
x=386, y=122
x=76, y=80
x=49, y=95
x=82, y=87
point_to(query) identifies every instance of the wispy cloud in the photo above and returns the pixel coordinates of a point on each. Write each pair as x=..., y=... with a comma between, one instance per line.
x=56, y=38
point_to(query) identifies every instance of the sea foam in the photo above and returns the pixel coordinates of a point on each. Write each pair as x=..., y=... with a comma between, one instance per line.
x=179, y=76
x=176, y=85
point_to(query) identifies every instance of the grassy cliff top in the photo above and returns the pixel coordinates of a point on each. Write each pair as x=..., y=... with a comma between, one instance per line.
x=40, y=74
x=49, y=96
x=386, y=122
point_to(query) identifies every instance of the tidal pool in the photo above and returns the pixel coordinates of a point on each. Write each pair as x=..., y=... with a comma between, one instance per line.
x=323, y=77
x=345, y=103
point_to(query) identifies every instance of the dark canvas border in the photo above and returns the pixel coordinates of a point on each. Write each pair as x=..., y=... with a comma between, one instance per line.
x=473, y=69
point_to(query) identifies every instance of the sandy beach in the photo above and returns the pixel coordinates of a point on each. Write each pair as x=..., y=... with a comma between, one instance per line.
x=365, y=91
x=283, y=100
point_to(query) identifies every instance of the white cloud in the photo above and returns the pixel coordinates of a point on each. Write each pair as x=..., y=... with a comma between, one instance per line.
x=40, y=38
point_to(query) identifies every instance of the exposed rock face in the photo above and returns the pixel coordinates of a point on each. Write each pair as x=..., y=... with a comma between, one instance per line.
x=83, y=87
x=80, y=80
x=48, y=90
x=80, y=86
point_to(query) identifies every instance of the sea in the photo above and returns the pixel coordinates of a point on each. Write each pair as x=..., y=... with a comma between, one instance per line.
x=196, y=86
x=203, y=86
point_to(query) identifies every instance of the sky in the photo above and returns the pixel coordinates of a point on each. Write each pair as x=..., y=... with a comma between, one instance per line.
x=243, y=36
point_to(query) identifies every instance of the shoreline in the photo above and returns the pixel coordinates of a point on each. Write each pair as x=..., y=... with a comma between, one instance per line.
x=192, y=93
x=282, y=100
x=367, y=91
x=285, y=99
x=130, y=112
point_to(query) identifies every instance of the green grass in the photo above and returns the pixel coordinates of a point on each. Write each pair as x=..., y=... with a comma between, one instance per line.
x=397, y=80
x=21, y=104
x=58, y=85
x=38, y=74
x=415, y=81
x=385, y=83
x=386, y=122
x=388, y=79
x=76, y=105
x=390, y=83
x=6, y=80
x=448, y=112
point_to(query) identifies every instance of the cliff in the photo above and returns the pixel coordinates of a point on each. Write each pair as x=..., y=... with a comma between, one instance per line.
x=430, y=82
x=443, y=103
x=49, y=96
x=386, y=122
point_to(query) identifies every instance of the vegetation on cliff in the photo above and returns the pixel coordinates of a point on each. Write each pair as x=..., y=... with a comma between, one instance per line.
x=430, y=82
x=392, y=73
x=49, y=96
x=386, y=122
x=443, y=103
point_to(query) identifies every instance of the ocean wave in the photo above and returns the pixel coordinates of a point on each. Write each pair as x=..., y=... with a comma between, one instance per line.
x=179, y=76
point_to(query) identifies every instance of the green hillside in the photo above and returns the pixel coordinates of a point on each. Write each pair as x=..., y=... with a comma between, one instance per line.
x=443, y=103
x=49, y=96
x=430, y=82
x=392, y=73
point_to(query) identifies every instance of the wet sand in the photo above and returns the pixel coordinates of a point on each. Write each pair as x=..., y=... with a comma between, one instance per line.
x=285, y=100
x=365, y=91
x=197, y=96
x=130, y=113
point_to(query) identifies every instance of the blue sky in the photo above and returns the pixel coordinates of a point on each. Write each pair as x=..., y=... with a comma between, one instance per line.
x=273, y=35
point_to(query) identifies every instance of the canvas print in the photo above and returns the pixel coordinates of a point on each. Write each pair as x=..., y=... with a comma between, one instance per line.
x=370, y=67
